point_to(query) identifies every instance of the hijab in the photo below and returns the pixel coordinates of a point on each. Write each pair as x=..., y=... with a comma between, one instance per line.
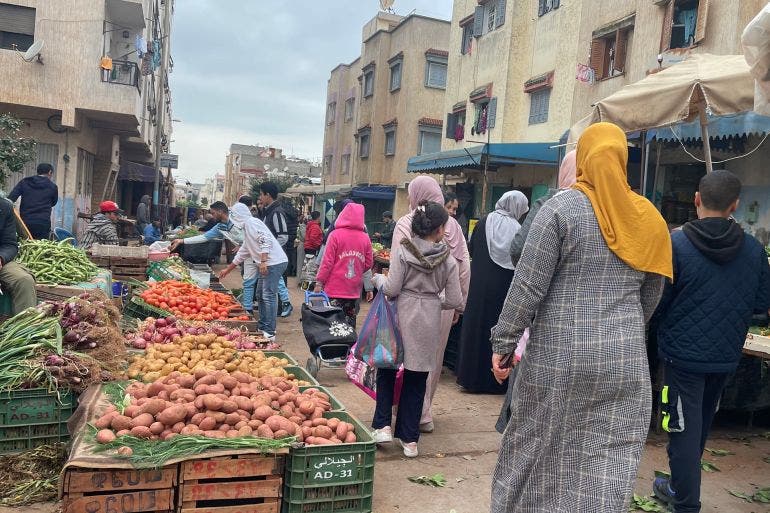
x=502, y=225
x=426, y=188
x=567, y=170
x=631, y=226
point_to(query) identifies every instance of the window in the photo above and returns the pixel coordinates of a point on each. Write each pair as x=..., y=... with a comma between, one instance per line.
x=467, y=41
x=546, y=6
x=390, y=141
x=395, y=73
x=331, y=113
x=368, y=81
x=349, y=106
x=364, y=142
x=455, y=124
x=685, y=23
x=328, y=164
x=435, y=71
x=17, y=27
x=345, y=164
x=430, y=140
x=488, y=16
x=608, y=53
x=538, y=106
x=85, y=172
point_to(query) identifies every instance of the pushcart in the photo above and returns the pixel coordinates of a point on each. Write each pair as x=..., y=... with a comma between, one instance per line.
x=317, y=306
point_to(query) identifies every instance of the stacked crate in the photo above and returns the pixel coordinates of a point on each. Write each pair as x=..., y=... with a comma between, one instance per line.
x=120, y=491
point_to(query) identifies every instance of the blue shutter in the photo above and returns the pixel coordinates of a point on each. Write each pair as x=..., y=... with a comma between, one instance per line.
x=500, y=15
x=492, y=112
x=478, y=21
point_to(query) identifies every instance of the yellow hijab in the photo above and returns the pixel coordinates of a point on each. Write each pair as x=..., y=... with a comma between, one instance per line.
x=632, y=227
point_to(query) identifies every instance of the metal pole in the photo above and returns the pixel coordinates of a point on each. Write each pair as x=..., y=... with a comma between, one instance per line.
x=161, y=108
x=645, y=162
x=485, y=180
x=704, y=130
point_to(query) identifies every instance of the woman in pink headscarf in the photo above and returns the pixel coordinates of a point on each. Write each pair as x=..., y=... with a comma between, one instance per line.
x=425, y=188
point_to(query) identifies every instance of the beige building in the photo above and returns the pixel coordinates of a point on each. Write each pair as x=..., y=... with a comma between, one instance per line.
x=213, y=189
x=88, y=99
x=385, y=107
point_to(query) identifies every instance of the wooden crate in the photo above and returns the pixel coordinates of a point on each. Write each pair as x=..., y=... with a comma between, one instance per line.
x=250, y=483
x=120, y=491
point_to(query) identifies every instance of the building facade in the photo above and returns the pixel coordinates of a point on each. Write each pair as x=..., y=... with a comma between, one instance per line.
x=213, y=189
x=89, y=100
x=384, y=107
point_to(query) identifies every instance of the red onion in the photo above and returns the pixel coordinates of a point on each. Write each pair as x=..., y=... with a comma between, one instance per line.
x=161, y=323
x=139, y=344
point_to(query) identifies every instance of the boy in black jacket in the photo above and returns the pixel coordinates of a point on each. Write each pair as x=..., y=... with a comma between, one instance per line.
x=721, y=278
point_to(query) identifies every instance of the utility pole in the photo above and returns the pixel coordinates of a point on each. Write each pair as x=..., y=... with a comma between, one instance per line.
x=161, y=108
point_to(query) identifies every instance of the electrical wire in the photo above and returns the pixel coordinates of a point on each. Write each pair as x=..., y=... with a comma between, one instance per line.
x=681, y=143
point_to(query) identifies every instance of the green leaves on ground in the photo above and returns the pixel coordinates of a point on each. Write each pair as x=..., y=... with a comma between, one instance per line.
x=762, y=495
x=640, y=503
x=719, y=452
x=436, y=480
x=709, y=467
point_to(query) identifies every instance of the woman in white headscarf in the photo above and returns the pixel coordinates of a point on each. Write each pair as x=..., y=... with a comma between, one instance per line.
x=491, y=275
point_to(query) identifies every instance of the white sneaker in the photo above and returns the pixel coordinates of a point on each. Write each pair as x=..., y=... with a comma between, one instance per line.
x=383, y=435
x=268, y=336
x=410, y=449
x=427, y=427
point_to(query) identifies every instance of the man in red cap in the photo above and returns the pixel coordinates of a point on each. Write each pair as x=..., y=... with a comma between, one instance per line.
x=101, y=229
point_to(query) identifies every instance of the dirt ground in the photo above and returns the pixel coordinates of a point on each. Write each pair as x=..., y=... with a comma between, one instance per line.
x=464, y=448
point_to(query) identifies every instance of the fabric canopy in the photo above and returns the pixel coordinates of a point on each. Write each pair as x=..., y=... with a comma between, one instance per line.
x=133, y=172
x=374, y=192
x=499, y=154
x=718, y=84
x=756, y=49
x=734, y=125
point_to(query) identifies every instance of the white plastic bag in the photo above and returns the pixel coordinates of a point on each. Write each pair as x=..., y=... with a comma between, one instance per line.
x=201, y=278
x=160, y=246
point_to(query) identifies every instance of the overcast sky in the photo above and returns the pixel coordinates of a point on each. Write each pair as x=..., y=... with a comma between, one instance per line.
x=255, y=72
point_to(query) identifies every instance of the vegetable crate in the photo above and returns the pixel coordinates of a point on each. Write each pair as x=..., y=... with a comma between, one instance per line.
x=123, y=268
x=331, y=478
x=33, y=417
x=137, y=309
x=120, y=491
x=249, y=483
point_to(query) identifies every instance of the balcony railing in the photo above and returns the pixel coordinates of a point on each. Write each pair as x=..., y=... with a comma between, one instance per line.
x=123, y=73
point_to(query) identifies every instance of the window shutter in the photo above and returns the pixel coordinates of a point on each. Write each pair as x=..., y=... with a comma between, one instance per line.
x=451, y=124
x=668, y=25
x=478, y=21
x=492, y=112
x=17, y=19
x=500, y=14
x=703, y=13
x=597, y=57
x=621, y=44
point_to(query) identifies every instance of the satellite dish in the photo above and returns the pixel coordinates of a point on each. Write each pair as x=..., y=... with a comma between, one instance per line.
x=386, y=5
x=34, y=52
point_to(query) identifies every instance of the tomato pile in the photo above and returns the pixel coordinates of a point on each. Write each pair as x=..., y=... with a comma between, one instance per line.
x=189, y=302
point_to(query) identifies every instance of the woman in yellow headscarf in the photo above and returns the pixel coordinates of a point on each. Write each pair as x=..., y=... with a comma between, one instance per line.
x=589, y=278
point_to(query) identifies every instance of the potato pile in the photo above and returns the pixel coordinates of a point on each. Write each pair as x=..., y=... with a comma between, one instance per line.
x=224, y=405
x=207, y=352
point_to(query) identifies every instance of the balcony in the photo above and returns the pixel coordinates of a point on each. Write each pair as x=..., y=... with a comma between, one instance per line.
x=122, y=73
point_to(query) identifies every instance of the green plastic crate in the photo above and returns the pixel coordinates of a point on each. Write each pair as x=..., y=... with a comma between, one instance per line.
x=33, y=417
x=302, y=375
x=336, y=404
x=331, y=478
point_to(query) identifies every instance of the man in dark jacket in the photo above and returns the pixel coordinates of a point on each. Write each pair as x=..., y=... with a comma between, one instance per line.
x=275, y=219
x=14, y=278
x=721, y=278
x=38, y=196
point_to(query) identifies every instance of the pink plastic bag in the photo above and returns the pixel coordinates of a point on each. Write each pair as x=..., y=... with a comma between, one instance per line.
x=522, y=345
x=365, y=377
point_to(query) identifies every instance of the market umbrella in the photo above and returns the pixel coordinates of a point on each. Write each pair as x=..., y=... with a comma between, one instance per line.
x=699, y=86
x=756, y=49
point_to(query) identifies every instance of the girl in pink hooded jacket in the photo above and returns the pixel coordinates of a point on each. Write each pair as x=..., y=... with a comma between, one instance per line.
x=347, y=257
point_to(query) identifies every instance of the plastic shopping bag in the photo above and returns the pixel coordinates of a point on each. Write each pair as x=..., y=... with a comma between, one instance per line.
x=365, y=377
x=379, y=341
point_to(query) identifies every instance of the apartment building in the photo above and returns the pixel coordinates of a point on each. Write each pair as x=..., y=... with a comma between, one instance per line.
x=213, y=189
x=385, y=107
x=89, y=100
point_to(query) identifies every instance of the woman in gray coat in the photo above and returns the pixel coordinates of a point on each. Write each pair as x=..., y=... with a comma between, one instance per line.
x=420, y=269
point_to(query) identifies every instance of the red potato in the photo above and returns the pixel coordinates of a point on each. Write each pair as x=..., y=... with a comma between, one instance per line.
x=296, y=420
x=333, y=423
x=172, y=415
x=216, y=388
x=264, y=431
x=105, y=420
x=177, y=428
x=120, y=422
x=123, y=432
x=224, y=428
x=132, y=410
x=322, y=432
x=263, y=413
x=287, y=410
x=306, y=431
x=217, y=415
x=199, y=402
x=244, y=403
x=170, y=435
x=197, y=418
x=350, y=438
x=141, y=432
x=153, y=407
x=307, y=407
x=228, y=382
x=200, y=389
x=125, y=451
x=105, y=436
x=215, y=434
x=164, y=433
x=191, y=410
x=153, y=389
x=186, y=381
x=205, y=379
x=232, y=419
x=184, y=394
x=317, y=413
x=240, y=424
x=319, y=421
x=245, y=431
x=229, y=406
x=281, y=433
x=232, y=434
x=254, y=424
x=189, y=430
x=208, y=424
x=141, y=401
x=212, y=402
x=143, y=419
x=275, y=404
x=157, y=428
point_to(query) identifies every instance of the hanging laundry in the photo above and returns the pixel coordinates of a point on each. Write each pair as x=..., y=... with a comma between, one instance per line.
x=147, y=64
x=106, y=63
x=156, y=54
x=459, y=133
x=141, y=45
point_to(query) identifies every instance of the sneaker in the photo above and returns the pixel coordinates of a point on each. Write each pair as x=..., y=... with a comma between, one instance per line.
x=410, y=449
x=268, y=336
x=383, y=435
x=661, y=489
x=287, y=310
x=426, y=427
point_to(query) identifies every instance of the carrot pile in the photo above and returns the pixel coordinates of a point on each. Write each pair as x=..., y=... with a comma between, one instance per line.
x=187, y=301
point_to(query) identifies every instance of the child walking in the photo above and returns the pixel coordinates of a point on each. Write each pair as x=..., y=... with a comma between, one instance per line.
x=420, y=270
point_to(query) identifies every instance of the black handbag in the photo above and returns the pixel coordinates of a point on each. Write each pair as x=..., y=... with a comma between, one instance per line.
x=323, y=324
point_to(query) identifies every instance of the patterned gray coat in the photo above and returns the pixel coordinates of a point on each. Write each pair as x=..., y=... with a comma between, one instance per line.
x=581, y=401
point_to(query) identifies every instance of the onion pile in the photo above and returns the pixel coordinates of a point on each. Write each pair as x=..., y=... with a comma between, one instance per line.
x=170, y=329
